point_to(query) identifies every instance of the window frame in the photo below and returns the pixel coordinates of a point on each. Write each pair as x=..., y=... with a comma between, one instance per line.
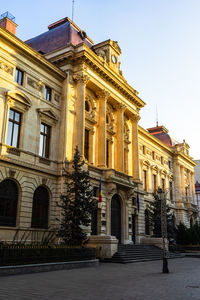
x=17, y=78
x=86, y=144
x=46, y=139
x=14, y=122
x=48, y=93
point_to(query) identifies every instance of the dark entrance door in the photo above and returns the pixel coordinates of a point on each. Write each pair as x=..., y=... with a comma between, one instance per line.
x=116, y=217
x=133, y=228
x=94, y=222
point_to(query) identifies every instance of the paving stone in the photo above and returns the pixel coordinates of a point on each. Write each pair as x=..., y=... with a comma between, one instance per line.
x=139, y=281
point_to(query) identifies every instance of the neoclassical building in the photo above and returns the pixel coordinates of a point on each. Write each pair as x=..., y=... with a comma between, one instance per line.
x=59, y=90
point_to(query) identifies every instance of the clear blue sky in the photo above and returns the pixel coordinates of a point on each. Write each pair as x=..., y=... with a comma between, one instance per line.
x=160, y=42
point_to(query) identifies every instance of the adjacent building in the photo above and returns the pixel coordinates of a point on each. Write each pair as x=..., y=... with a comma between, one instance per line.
x=59, y=90
x=197, y=184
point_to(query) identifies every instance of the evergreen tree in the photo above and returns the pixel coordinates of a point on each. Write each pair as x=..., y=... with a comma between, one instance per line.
x=155, y=219
x=77, y=204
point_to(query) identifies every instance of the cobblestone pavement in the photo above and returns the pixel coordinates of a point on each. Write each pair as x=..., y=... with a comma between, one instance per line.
x=138, y=281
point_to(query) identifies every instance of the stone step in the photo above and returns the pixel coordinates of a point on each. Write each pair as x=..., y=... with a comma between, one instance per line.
x=136, y=253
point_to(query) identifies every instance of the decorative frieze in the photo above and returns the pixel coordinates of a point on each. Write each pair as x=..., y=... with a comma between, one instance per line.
x=13, y=151
x=6, y=68
x=57, y=97
x=31, y=82
x=38, y=85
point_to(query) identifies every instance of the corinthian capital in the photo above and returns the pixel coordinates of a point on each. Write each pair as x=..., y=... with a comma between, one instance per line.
x=81, y=78
x=136, y=118
x=121, y=106
x=103, y=94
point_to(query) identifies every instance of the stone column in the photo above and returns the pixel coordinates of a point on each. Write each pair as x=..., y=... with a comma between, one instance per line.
x=178, y=192
x=120, y=137
x=193, y=188
x=182, y=183
x=81, y=80
x=190, y=186
x=102, y=96
x=135, y=151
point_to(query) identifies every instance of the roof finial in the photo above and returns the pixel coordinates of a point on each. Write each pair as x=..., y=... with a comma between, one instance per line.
x=156, y=116
x=73, y=10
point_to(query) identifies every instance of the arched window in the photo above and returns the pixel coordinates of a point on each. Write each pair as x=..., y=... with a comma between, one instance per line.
x=87, y=106
x=40, y=209
x=147, y=231
x=8, y=203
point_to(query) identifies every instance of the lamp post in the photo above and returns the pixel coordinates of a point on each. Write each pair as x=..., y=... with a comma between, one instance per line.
x=161, y=196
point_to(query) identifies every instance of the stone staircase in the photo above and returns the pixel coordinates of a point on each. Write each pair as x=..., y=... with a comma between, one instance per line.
x=138, y=253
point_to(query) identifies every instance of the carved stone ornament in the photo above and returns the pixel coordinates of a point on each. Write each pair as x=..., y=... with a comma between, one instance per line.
x=12, y=173
x=6, y=68
x=40, y=86
x=103, y=94
x=57, y=98
x=31, y=82
x=110, y=116
x=44, y=181
x=116, y=46
x=92, y=107
x=136, y=118
x=81, y=78
x=121, y=106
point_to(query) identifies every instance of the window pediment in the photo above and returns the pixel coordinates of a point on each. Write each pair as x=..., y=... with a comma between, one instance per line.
x=18, y=100
x=48, y=115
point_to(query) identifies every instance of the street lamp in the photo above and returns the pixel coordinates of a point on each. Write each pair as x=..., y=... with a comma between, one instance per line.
x=161, y=196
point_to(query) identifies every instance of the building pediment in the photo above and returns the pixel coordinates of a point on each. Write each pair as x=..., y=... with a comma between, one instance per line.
x=18, y=100
x=47, y=115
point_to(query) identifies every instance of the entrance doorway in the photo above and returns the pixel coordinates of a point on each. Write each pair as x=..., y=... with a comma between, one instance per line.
x=116, y=217
x=134, y=228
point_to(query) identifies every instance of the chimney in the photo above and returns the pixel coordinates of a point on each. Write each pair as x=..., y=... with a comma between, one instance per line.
x=7, y=21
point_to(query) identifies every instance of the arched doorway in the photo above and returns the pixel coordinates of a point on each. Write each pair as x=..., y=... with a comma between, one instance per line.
x=8, y=203
x=116, y=217
x=40, y=210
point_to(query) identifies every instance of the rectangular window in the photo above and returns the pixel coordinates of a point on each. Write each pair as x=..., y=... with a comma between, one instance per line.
x=169, y=164
x=144, y=149
x=186, y=193
x=47, y=93
x=163, y=184
x=153, y=155
x=14, y=123
x=19, y=76
x=145, y=180
x=154, y=183
x=86, y=144
x=170, y=191
x=44, y=140
x=107, y=153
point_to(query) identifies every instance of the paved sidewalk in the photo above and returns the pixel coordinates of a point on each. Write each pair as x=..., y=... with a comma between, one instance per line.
x=138, y=281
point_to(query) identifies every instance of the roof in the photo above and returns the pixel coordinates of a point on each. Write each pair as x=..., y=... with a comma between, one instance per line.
x=60, y=34
x=161, y=133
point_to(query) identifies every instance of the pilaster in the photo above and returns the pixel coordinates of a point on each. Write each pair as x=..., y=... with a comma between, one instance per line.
x=81, y=79
x=120, y=137
x=102, y=97
x=135, y=151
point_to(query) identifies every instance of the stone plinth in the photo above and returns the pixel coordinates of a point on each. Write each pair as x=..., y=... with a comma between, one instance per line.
x=158, y=242
x=106, y=245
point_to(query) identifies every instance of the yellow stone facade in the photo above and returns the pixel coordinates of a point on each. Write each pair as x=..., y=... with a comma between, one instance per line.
x=89, y=96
